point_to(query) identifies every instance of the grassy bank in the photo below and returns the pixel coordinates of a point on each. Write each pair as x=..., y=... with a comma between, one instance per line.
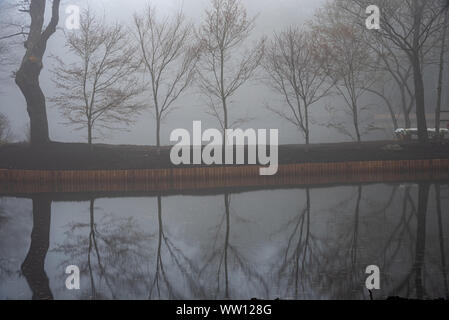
x=73, y=156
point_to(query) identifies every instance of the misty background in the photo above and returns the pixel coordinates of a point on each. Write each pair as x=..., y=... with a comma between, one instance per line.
x=250, y=101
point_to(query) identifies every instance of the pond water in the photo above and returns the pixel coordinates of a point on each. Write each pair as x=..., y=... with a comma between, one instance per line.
x=308, y=243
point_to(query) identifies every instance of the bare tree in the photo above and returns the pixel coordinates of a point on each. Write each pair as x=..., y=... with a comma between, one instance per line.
x=441, y=63
x=397, y=78
x=100, y=89
x=347, y=62
x=169, y=55
x=296, y=74
x=408, y=25
x=27, y=77
x=221, y=73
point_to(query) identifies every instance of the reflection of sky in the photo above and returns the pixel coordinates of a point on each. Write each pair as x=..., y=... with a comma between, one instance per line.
x=261, y=227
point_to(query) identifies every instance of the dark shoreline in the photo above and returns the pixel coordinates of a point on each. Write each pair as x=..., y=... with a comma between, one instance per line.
x=77, y=156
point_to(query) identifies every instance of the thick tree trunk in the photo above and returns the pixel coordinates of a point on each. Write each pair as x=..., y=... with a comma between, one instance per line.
x=27, y=77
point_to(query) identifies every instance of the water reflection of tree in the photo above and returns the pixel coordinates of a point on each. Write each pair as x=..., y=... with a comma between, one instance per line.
x=374, y=240
x=344, y=266
x=3, y=215
x=328, y=264
x=375, y=208
x=340, y=265
x=416, y=271
x=225, y=260
x=115, y=252
x=311, y=263
x=386, y=242
x=164, y=282
x=33, y=266
x=395, y=242
x=418, y=280
x=441, y=239
x=423, y=198
x=115, y=255
x=6, y=265
x=299, y=253
x=400, y=239
x=402, y=231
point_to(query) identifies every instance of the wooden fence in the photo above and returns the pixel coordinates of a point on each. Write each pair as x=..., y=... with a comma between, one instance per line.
x=179, y=179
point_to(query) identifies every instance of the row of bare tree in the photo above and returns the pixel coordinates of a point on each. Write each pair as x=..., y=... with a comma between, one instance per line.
x=334, y=54
x=163, y=56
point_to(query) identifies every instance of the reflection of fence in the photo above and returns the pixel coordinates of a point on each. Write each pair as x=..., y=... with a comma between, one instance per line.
x=179, y=179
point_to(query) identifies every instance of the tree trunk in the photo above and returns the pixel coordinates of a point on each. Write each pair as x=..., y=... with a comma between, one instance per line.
x=225, y=120
x=407, y=121
x=223, y=99
x=89, y=134
x=158, y=131
x=27, y=77
x=440, y=80
x=420, y=99
x=415, y=56
x=306, y=115
x=355, y=118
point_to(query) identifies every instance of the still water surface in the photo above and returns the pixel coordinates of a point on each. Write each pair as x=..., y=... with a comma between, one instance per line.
x=308, y=243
